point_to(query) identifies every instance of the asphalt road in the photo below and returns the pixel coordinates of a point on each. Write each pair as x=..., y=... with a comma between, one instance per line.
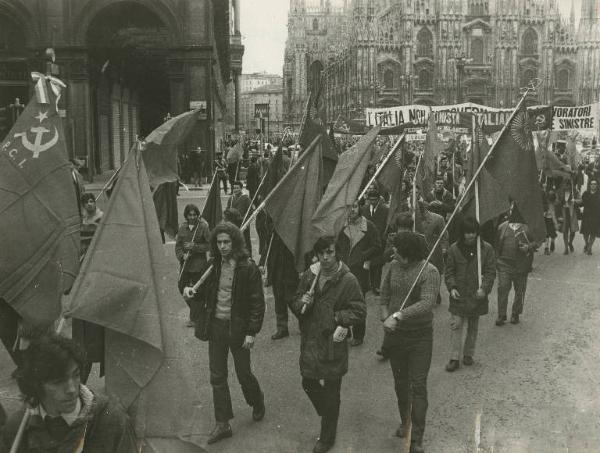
x=534, y=387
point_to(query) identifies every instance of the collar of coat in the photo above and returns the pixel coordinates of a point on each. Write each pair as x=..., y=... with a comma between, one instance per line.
x=316, y=267
x=89, y=404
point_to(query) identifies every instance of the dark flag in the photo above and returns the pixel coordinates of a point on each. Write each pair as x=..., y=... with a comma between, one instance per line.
x=275, y=172
x=213, y=211
x=127, y=284
x=292, y=203
x=39, y=211
x=425, y=174
x=546, y=160
x=512, y=165
x=344, y=186
x=390, y=177
x=165, y=203
x=161, y=145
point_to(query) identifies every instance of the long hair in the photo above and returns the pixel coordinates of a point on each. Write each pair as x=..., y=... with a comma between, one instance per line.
x=238, y=243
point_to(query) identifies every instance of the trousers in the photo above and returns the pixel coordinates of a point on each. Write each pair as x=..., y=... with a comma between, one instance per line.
x=506, y=281
x=326, y=400
x=410, y=359
x=457, y=324
x=219, y=345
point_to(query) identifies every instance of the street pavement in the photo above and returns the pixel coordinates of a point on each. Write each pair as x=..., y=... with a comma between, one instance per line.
x=534, y=387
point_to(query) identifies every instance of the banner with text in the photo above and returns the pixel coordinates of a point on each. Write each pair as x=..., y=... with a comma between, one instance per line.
x=581, y=117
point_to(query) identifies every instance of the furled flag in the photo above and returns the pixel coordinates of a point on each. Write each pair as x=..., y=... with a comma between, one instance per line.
x=127, y=284
x=344, y=187
x=313, y=129
x=293, y=201
x=425, y=174
x=39, y=210
x=390, y=177
x=161, y=145
x=512, y=165
x=546, y=160
x=212, y=211
x=492, y=199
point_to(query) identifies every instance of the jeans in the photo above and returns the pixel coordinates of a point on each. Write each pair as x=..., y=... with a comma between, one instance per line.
x=410, y=359
x=219, y=345
x=326, y=400
x=283, y=293
x=505, y=282
x=456, y=337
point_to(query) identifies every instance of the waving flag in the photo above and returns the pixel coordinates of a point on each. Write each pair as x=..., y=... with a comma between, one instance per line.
x=39, y=210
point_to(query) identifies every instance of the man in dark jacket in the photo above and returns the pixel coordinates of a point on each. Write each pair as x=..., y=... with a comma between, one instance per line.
x=468, y=295
x=191, y=246
x=253, y=176
x=359, y=242
x=241, y=202
x=440, y=201
x=65, y=414
x=233, y=310
x=377, y=212
x=328, y=302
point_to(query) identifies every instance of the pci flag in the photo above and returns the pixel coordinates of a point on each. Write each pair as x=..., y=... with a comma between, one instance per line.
x=128, y=284
x=39, y=210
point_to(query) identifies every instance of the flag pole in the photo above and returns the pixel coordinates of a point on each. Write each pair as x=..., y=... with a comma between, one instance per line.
x=256, y=194
x=474, y=142
x=266, y=265
x=300, y=161
x=380, y=168
x=414, y=193
x=471, y=183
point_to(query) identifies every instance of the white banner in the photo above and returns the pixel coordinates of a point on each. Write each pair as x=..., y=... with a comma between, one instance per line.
x=582, y=117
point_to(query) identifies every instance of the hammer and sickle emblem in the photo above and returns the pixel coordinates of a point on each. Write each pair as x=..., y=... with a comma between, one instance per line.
x=37, y=146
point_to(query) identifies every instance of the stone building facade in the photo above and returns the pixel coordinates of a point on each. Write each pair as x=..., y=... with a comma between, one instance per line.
x=394, y=52
x=127, y=66
x=271, y=95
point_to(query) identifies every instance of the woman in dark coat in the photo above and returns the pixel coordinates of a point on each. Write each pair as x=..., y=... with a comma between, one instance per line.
x=468, y=299
x=590, y=225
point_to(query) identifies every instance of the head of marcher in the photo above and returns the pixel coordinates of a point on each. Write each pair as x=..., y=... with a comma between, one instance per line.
x=233, y=215
x=373, y=197
x=191, y=213
x=408, y=248
x=593, y=184
x=88, y=201
x=354, y=213
x=227, y=242
x=328, y=253
x=237, y=188
x=404, y=222
x=469, y=230
x=439, y=183
x=514, y=216
x=50, y=374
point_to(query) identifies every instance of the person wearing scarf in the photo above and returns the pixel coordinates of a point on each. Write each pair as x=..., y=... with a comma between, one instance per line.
x=468, y=299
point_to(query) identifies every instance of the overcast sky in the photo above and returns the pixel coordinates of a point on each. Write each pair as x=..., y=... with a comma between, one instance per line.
x=264, y=31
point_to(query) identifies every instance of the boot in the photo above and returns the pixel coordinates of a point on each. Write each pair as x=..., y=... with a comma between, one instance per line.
x=221, y=431
x=452, y=365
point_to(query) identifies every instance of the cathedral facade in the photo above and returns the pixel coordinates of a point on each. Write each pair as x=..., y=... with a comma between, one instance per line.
x=367, y=53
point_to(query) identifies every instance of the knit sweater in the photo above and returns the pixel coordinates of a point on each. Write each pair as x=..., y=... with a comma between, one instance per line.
x=417, y=313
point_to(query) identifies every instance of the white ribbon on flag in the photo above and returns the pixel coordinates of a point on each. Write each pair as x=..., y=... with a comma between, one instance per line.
x=41, y=89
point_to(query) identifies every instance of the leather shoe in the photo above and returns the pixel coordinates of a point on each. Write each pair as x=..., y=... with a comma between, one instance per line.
x=258, y=411
x=221, y=431
x=452, y=365
x=501, y=320
x=416, y=447
x=322, y=447
x=514, y=319
x=280, y=334
x=468, y=360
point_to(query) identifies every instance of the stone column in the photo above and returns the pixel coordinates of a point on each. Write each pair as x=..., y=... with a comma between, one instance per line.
x=236, y=7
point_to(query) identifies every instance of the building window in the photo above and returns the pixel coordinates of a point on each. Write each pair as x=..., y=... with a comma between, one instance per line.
x=477, y=50
x=424, y=43
x=314, y=79
x=528, y=74
x=388, y=78
x=315, y=24
x=424, y=79
x=529, y=44
x=562, y=80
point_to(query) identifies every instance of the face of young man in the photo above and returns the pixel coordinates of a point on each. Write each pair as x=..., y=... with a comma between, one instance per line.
x=373, y=201
x=90, y=205
x=224, y=245
x=192, y=217
x=399, y=257
x=439, y=185
x=327, y=258
x=354, y=212
x=593, y=186
x=470, y=238
x=61, y=395
x=237, y=190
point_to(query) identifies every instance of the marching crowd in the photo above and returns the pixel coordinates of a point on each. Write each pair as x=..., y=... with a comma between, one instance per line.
x=402, y=257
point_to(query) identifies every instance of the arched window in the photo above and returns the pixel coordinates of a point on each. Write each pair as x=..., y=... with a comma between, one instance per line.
x=424, y=79
x=424, y=43
x=562, y=79
x=314, y=79
x=529, y=43
x=315, y=24
x=527, y=75
x=388, y=78
x=477, y=50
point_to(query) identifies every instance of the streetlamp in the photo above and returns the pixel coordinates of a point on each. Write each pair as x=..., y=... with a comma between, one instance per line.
x=407, y=80
x=460, y=63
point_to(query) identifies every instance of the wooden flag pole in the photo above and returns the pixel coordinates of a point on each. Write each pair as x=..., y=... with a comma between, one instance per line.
x=471, y=183
x=380, y=168
x=19, y=436
x=311, y=291
x=477, y=216
x=282, y=181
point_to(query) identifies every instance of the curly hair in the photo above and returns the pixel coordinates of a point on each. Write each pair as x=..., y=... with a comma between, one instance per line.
x=46, y=359
x=238, y=243
x=189, y=208
x=411, y=246
x=87, y=196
